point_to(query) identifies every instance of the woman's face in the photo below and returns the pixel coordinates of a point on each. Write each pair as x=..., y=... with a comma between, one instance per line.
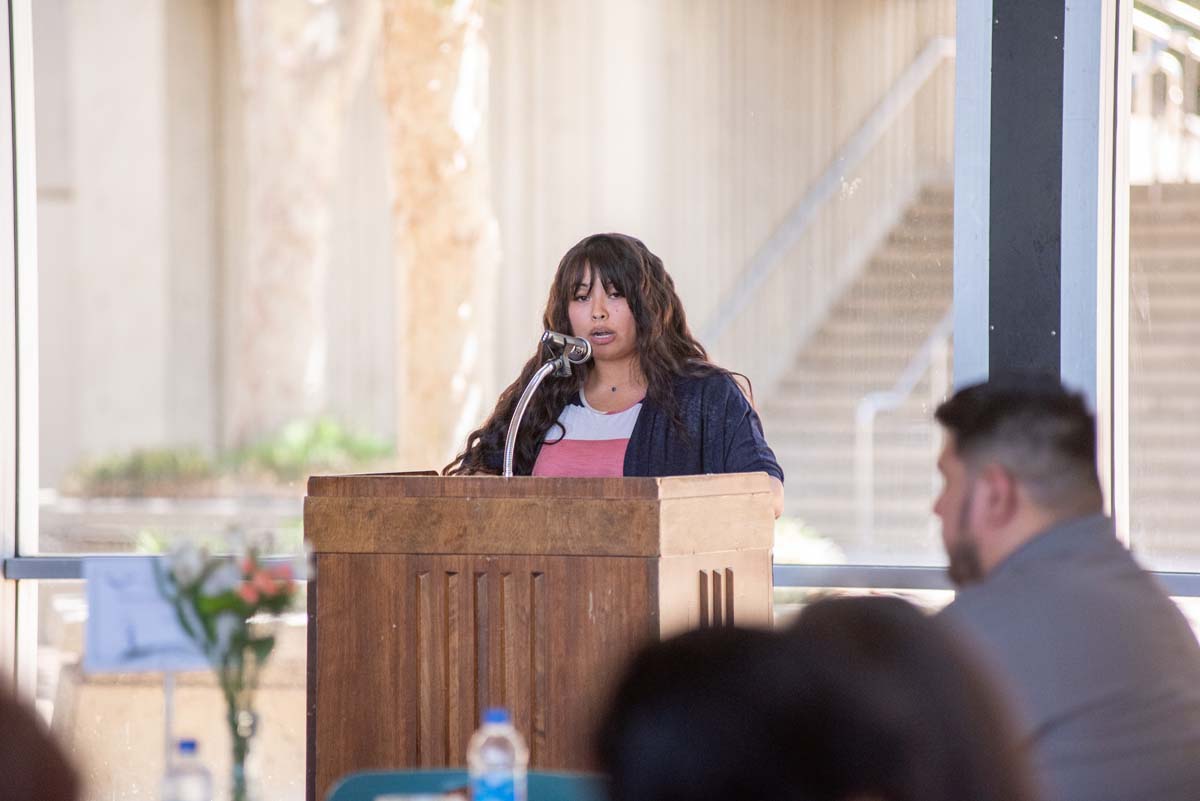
x=602, y=315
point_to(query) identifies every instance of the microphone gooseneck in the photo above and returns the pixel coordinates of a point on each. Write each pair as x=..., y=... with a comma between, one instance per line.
x=570, y=350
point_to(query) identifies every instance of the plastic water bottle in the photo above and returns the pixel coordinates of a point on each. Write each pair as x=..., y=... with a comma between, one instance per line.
x=186, y=778
x=497, y=759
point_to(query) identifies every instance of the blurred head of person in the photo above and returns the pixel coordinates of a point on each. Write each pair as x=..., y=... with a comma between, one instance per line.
x=1018, y=457
x=32, y=766
x=862, y=700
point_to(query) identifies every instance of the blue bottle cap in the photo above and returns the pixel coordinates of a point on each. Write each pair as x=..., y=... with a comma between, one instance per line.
x=187, y=747
x=496, y=714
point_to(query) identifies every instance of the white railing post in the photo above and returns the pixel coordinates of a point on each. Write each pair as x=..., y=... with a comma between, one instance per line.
x=864, y=471
x=939, y=389
x=932, y=357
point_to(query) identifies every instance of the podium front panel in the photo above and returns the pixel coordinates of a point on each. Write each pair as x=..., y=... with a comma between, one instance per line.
x=435, y=598
x=429, y=642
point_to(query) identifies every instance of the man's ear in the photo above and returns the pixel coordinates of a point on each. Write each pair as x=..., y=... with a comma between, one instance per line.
x=999, y=501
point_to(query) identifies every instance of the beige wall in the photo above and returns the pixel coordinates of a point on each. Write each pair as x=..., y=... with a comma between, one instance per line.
x=698, y=133
x=142, y=216
x=125, y=218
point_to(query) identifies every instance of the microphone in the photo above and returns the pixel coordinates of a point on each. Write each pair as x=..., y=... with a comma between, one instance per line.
x=577, y=349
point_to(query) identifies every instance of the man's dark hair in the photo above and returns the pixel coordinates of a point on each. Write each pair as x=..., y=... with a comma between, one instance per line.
x=1033, y=426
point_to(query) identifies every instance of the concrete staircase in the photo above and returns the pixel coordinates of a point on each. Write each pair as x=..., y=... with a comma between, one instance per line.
x=1164, y=375
x=873, y=331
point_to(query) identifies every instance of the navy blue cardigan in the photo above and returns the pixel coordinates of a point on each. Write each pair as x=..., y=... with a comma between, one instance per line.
x=721, y=433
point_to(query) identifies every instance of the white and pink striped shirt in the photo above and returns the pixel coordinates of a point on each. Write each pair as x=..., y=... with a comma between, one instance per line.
x=593, y=445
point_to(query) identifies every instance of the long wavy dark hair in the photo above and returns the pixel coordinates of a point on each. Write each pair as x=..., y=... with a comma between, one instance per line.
x=665, y=346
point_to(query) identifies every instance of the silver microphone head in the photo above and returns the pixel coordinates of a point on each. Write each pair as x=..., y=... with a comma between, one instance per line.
x=577, y=349
x=578, y=354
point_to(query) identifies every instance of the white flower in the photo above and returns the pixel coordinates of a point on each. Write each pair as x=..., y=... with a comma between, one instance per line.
x=225, y=578
x=186, y=562
x=304, y=564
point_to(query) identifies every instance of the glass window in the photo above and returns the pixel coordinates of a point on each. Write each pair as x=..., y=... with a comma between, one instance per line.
x=188, y=218
x=112, y=725
x=789, y=601
x=278, y=239
x=849, y=340
x=1164, y=286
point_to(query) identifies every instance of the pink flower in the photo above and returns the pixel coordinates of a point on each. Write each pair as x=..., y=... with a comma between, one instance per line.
x=248, y=593
x=282, y=572
x=265, y=583
x=247, y=565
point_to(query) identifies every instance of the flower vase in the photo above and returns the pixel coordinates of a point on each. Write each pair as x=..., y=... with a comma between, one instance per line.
x=243, y=724
x=228, y=606
x=239, y=680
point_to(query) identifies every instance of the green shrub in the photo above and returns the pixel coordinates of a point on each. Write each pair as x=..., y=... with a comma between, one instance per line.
x=142, y=471
x=297, y=450
x=306, y=446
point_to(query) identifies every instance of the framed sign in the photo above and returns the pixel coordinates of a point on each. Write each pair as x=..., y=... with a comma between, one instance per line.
x=131, y=628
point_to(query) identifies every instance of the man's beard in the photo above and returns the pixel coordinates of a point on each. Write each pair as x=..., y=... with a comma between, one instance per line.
x=965, y=567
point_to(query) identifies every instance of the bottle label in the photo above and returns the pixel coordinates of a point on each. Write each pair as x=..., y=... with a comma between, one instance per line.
x=494, y=787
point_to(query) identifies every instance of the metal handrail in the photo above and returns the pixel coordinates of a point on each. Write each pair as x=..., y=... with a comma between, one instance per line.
x=801, y=216
x=1182, y=14
x=934, y=352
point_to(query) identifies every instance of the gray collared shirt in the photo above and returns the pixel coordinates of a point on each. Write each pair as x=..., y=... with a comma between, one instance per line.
x=1103, y=669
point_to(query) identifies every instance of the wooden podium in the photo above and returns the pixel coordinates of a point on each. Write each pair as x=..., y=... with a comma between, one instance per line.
x=437, y=597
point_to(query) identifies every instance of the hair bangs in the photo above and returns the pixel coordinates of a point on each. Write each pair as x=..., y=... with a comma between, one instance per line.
x=616, y=263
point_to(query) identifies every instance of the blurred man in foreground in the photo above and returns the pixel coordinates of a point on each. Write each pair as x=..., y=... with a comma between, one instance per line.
x=32, y=766
x=1103, y=669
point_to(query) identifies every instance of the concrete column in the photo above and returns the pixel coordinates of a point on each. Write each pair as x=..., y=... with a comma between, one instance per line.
x=435, y=86
x=119, y=224
x=299, y=67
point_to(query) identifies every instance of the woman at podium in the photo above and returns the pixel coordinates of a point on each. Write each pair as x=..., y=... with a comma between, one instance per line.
x=648, y=403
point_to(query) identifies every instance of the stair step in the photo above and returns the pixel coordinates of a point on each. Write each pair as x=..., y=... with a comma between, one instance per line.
x=1163, y=214
x=916, y=307
x=1167, y=281
x=1170, y=332
x=938, y=194
x=1161, y=436
x=891, y=357
x=1145, y=196
x=1159, y=234
x=813, y=490
x=940, y=237
x=1166, y=252
x=862, y=370
x=835, y=405
x=1167, y=303
x=893, y=254
x=831, y=459
x=930, y=218
x=900, y=286
x=1148, y=362
x=1178, y=261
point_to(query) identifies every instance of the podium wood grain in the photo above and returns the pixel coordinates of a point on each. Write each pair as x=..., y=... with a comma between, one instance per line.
x=438, y=597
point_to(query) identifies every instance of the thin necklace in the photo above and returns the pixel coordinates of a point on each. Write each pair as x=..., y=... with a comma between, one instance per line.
x=615, y=387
